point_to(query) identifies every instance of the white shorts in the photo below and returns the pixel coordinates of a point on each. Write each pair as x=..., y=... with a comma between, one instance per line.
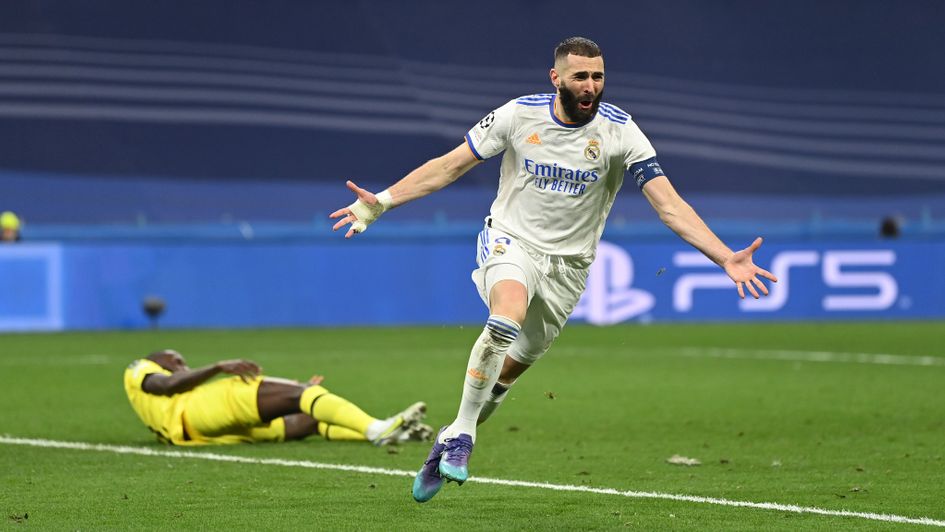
x=554, y=284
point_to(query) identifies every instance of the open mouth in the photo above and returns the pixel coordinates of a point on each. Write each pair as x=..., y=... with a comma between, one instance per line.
x=585, y=105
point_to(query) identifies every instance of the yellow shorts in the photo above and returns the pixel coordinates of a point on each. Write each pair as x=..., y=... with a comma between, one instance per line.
x=225, y=412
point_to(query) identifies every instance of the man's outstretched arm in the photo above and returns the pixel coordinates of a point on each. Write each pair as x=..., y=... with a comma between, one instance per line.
x=683, y=220
x=428, y=178
x=188, y=379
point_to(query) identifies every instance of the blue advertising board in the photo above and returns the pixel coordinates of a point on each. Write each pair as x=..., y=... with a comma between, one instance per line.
x=416, y=281
x=823, y=280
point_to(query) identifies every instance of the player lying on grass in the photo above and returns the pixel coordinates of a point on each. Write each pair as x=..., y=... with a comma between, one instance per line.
x=182, y=407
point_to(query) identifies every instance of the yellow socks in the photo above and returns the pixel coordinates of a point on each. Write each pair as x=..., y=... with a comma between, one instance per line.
x=308, y=398
x=336, y=433
x=333, y=410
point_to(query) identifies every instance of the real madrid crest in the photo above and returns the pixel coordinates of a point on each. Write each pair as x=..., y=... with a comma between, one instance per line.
x=499, y=249
x=592, y=151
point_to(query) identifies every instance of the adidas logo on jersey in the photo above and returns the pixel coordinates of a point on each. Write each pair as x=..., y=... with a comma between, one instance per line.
x=533, y=139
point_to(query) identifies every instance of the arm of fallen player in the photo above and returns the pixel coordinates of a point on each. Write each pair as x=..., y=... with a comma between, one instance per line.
x=186, y=380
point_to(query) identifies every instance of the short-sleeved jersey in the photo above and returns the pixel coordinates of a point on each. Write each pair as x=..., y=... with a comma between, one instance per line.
x=160, y=413
x=557, y=180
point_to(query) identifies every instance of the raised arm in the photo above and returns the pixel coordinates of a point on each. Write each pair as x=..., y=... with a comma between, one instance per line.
x=683, y=220
x=188, y=379
x=428, y=178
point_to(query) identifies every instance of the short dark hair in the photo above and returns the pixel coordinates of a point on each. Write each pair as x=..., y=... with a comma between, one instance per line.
x=158, y=355
x=581, y=46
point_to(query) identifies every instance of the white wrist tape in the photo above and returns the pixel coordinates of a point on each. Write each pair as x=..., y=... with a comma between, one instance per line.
x=366, y=214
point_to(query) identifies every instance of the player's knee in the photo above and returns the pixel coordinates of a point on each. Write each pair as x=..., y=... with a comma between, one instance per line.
x=513, y=313
x=510, y=299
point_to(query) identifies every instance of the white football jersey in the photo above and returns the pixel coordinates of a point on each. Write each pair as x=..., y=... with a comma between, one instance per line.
x=557, y=181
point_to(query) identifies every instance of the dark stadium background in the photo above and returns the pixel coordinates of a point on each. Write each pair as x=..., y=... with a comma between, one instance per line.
x=203, y=124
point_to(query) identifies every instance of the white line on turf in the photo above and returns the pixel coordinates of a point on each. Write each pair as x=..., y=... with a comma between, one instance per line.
x=144, y=451
x=814, y=356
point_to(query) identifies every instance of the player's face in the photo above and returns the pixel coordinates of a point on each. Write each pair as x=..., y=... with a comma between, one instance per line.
x=580, y=82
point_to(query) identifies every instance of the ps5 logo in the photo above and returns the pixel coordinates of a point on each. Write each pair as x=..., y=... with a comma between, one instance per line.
x=882, y=286
x=855, y=281
x=608, y=298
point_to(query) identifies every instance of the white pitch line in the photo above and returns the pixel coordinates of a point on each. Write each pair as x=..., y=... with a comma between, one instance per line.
x=814, y=356
x=144, y=451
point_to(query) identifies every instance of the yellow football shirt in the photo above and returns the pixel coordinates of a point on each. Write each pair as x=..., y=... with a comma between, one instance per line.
x=160, y=413
x=220, y=412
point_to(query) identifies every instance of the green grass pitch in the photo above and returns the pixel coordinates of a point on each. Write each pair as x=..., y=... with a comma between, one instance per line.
x=605, y=408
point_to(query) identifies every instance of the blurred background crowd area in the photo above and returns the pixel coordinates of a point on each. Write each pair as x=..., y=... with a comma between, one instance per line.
x=177, y=161
x=243, y=119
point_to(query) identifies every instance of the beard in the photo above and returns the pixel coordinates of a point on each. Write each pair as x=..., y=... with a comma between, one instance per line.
x=569, y=103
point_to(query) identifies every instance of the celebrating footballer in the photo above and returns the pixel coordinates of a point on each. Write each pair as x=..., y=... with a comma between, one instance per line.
x=565, y=157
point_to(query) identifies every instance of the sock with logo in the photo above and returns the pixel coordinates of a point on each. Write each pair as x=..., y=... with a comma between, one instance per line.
x=482, y=372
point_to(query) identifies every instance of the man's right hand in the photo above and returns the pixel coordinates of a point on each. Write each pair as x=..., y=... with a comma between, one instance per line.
x=363, y=212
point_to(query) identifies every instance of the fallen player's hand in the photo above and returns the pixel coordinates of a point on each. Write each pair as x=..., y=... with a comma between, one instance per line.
x=316, y=380
x=245, y=369
x=363, y=212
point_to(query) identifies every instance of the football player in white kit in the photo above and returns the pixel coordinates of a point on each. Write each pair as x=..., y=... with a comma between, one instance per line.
x=566, y=155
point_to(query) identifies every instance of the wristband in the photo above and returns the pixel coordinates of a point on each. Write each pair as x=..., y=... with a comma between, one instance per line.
x=384, y=198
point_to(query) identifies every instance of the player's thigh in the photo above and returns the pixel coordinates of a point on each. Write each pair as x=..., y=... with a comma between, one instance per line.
x=508, y=296
x=562, y=292
x=538, y=332
x=503, y=262
x=221, y=407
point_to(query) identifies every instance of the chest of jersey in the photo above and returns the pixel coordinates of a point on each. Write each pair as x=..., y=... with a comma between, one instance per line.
x=552, y=159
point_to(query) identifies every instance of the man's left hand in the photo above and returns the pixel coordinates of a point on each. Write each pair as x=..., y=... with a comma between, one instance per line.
x=744, y=272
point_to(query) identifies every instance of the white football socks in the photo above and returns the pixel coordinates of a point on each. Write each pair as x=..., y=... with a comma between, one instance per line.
x=482, y=372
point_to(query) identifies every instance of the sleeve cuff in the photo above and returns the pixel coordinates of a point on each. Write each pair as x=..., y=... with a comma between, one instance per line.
x=469, y=143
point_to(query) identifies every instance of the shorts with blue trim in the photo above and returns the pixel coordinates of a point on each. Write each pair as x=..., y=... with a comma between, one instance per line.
x=554, y=284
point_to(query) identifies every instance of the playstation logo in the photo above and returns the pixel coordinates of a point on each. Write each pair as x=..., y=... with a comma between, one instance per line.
x=608, y=298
